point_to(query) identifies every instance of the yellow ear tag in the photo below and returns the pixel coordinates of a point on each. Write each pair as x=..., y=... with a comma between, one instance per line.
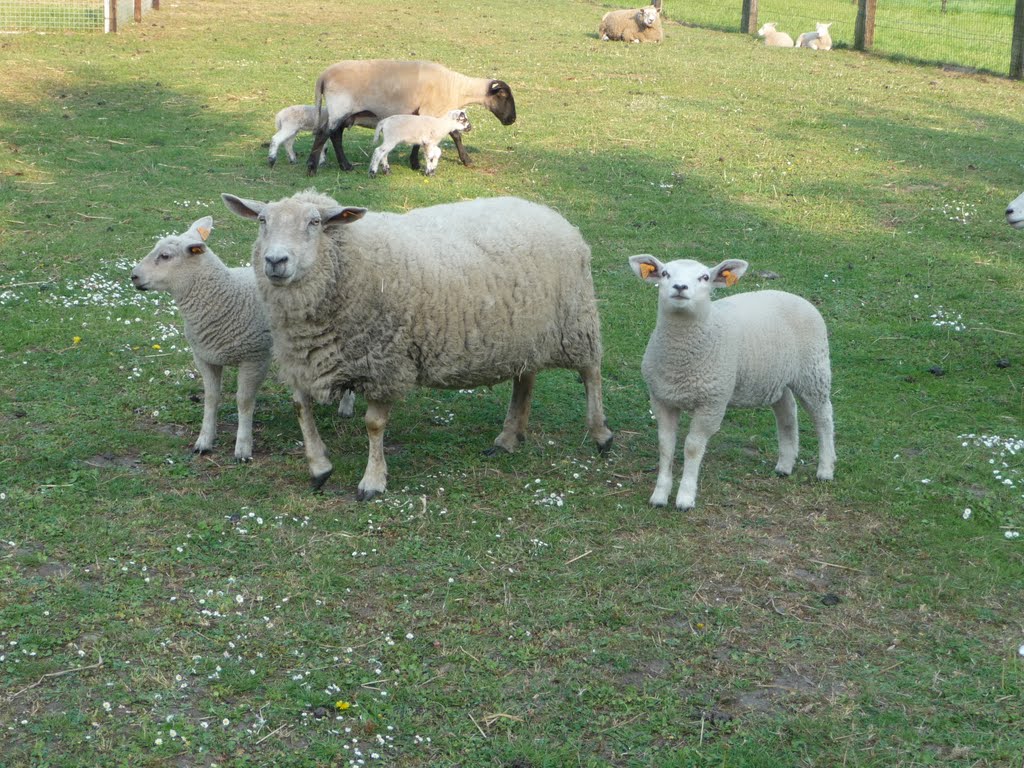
x=646, y=269
x=204, y=232
x=196, y=249
x=730, y=278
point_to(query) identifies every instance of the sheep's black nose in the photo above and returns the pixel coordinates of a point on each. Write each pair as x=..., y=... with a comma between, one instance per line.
x=679, y=288
x=1009, y=211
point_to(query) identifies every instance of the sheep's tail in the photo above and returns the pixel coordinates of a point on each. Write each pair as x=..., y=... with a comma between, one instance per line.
x=376, y=131
x=320, y=117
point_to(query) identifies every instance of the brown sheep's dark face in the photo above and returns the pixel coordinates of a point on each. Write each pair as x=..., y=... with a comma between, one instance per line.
x=500, y=102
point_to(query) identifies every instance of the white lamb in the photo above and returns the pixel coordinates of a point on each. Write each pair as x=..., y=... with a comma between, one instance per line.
x=288, y=122
x=1015, y=212
x=819, y=40
x=225, y=324
x=451, y=296
x=634, y=25
x=752, y=349
x=773, y=37
x=424, y=130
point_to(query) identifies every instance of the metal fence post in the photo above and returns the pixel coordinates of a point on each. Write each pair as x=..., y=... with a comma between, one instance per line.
x=748, y=17
x=1017, y=48
x=864, y=31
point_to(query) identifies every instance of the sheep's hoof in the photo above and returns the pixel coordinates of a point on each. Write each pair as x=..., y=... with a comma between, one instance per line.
x=271, y=161
x=201, y=451
x=496, y=450
x=373, y=174
x=311, y=170
x=603, y=448
x=367, y=495
x=347, y=166
x=318, y=481
x=243, y=459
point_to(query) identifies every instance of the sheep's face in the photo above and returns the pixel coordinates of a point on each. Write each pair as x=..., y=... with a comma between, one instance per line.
x=162, y=267
x=822, y=29
x=1015, y=213
x=685, y=285
x=499, y=100
x=768, y=26
x=648, y=16
x=288, y=243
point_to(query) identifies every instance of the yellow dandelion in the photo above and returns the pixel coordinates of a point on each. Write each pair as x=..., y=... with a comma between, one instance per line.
x=156, y=346
x=341, y=706
x=76, y=339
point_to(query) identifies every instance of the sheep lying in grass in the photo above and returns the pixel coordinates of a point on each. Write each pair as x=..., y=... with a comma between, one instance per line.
x=635, y=25
x=752, y=349
x=451, y=296
x=288, y=122
x=424, y=130
x=363, y=92
x=1015, y=212
x=225, y=324
x=819, y=40
x=773, y=37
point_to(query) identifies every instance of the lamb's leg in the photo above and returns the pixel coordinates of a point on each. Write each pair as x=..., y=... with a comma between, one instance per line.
x=788, y=431
x=286, y=137
x=517, y=417
x=667, y=417
x=433, y=158
x=250, y=377
x=289, y=147
x=211, y=400
x=703, y=425
x=347, y=407
x=316, y=452
x=457, y=140
x=375, y=477
x=380, y=158
x=821, y=411
x=596, y=423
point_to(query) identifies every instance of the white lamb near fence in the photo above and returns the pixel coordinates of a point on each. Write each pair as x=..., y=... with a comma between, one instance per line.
x=1015, y=212
x=225, y=324
x=287, y=124
x=752, y=349
x=819, y=40
x=634, y=25
x=772, y=37
x=424, y=130
x=459, y=295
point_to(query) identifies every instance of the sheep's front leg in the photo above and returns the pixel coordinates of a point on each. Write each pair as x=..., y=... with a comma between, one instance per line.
x=375, y=478
x=250, y=377
x=703, y=425
x=457, y=140
x=788, y=431
x=320, y=137
x=596, y=423
x=285, y=137
x=517, y=417
x=316, y=452
x=667, y=417
x=211, y=400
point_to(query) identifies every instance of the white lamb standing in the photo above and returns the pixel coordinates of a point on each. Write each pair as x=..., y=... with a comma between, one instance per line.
x=1015, y=212
x=225, y=324
x=451, y=296
x=772, y=37
x=819, y=40
x=424, y=130
x=634, y=25
x=751, y=349
x=288, y=122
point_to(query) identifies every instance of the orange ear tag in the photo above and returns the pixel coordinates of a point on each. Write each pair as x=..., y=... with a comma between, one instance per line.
x=204, y=232
x=730, y=278
x=646, y=269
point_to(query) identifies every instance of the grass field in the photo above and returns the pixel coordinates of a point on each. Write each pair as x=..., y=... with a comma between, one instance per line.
x=526, y=611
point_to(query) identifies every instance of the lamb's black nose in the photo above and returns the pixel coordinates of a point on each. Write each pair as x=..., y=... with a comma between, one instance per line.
x=679, y=288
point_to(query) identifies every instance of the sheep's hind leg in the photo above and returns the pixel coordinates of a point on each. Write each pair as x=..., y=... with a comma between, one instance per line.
x=375, y=478
x=596, y=422
x=211, y=400
x=667, y=417
x=821, y=412
x=703, y=425
x=788, y=431
x=316, y=452
x=514, y=431
x=250, y=377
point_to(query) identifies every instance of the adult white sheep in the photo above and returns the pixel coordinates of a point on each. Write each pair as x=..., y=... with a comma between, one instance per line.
x=451, y=296
x=634, y=25
x=225, y=324
x=819, y=40
x=751, y=349
x=424, y=130
x=362, y=92
x=774, y=38
x=287, y=124
x=1015, y=212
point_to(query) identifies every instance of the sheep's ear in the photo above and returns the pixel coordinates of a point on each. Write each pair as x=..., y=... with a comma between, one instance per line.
x=201, y=228
x=247, y=209
x=728, y=273
x=342, y=215
x=647, y=267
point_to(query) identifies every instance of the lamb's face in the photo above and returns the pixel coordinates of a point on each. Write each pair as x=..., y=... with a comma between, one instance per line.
x=461, y=119
x=1015, y=212
x=648, y=16
x=822, y=29
x=685, y=285
x=767, y=27
x=164, y=266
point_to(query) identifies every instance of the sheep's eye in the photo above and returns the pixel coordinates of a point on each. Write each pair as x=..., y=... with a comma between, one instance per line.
x=704, y=278
x=315, y=221
x=664, y=273
x=163, y=257
x=262, y=219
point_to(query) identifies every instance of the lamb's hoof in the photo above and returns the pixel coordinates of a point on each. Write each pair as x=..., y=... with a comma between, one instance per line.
x=657, y=502
x=201, y=451
x=496, y=450
x=318, y=481
x=428, y=173
x=243, y=459
x=606, y=446
x=367, y=495
x=271, y=161
x=373, y=174
x=783, y=472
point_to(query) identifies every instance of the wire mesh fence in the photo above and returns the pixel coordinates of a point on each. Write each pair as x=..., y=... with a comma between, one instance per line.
x=45, y=15
x=969, y=33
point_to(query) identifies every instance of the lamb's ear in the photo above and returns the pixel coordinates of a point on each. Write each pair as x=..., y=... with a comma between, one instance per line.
x=201, y=228
x=647, y=267
x=247, y=209
x=342, y=215
x=728, y=272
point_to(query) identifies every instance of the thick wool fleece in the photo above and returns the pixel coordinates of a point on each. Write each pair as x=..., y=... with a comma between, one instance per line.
x=625, y=25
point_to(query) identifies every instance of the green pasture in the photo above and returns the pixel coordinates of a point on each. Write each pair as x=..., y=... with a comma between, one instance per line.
x=526, y=611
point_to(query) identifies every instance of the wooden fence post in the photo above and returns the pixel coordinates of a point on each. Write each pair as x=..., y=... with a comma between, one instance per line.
x=1017, y=48
x=156, y=5
x=864, y=32
x=112, y=5
x=138, y=11
x=748, y=17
